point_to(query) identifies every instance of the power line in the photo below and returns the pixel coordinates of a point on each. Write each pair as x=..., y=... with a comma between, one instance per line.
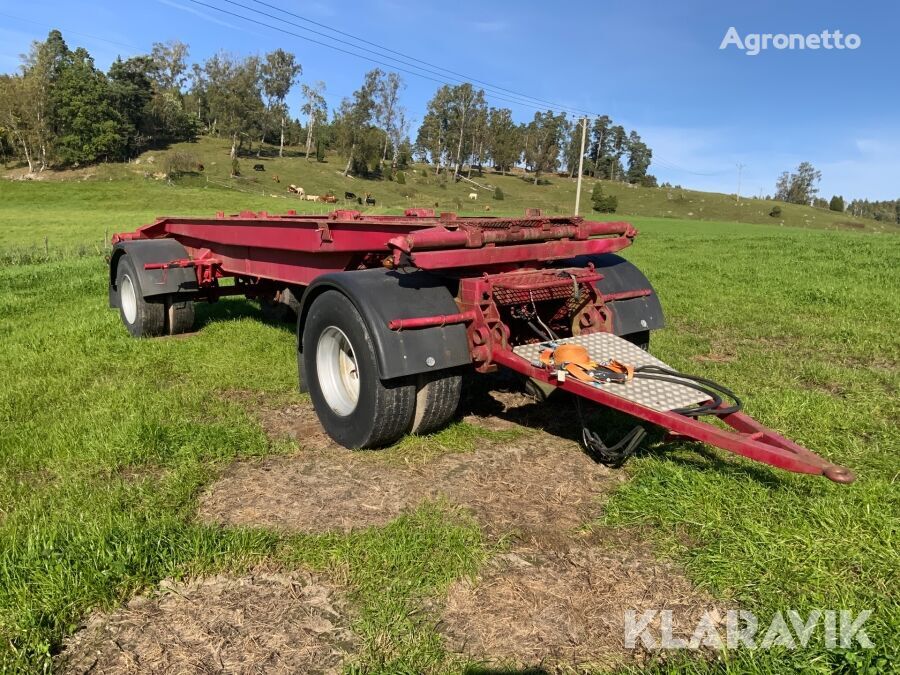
x=67, y=30
x=465, y=78
x=440, y=79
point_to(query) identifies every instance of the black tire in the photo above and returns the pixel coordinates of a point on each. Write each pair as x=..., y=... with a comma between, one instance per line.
x=641, y=339
x=141, y=318
x=179, y=316
x=383, y=410
x=437, y=398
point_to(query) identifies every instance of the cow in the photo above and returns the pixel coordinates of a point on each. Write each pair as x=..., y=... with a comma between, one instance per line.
x=370, y=200
x=312, y=198
x=473, y=196
x=329, y=198
x=259, y=167
x=276, y=178
x=349, y=195
x=359, y=200
x=296, y=189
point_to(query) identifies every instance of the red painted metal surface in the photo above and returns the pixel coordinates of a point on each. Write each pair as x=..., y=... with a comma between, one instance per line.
x=429, y=321
x=498, y=265
x=749, y=439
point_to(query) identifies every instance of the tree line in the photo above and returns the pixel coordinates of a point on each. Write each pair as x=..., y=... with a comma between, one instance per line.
x=61, y=110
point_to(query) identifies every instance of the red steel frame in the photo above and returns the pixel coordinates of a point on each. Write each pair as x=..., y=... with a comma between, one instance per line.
x=482, y=254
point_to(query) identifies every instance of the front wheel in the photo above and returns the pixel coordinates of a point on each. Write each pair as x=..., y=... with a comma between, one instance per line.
x=356, y=408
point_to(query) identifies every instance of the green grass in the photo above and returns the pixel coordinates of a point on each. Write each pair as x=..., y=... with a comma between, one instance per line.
x=105, y=442
x=79, y=209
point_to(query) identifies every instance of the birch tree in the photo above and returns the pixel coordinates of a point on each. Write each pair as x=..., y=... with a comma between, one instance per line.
x=279, y=73
x=315, y=109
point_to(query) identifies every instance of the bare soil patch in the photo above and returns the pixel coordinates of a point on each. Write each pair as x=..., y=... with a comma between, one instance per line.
x=540, y=608
x=275, y=623
x=536, y=485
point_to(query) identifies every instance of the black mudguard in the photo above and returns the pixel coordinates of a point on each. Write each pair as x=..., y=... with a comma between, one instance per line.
x=153, y=282
x=381, y=295
x=629, y=316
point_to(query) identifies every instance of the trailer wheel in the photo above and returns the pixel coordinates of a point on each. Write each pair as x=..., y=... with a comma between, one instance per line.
x=179, y=316
x=141, y=318
x=437, y=397
x=357, y=408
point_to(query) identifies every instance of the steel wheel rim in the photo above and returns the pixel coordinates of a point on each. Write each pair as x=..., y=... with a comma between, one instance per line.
x=128, y=299
x=337, y=370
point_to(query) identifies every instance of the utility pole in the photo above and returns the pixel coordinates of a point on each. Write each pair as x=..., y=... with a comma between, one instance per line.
x=740, y=168
x=580, y=167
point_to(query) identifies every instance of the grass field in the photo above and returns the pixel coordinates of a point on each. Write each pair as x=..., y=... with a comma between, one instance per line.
x=78, y=209
x=106, y=442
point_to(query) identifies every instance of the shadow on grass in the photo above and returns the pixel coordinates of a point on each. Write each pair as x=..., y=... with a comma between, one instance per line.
x=558, y=415
x=235, y=309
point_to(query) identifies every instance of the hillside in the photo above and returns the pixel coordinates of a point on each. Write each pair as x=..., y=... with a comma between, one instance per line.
x=121, y=196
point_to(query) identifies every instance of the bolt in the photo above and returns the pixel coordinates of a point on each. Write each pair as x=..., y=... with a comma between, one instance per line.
x=430, y=362
x=644, y=323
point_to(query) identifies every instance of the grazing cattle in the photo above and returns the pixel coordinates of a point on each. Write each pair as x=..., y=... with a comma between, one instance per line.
x=370, y=200
x=276, y=178
x=296, y=189
x=329, y=198
x=473, y=196
x=487, y=207
x=259, y=167
x=359, y=200
x=312, y=198
x=349, y=195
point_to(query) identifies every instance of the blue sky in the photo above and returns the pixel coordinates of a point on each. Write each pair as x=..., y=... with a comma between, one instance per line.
x=652, y=66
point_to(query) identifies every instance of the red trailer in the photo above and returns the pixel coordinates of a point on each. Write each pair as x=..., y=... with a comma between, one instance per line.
x=391, y=311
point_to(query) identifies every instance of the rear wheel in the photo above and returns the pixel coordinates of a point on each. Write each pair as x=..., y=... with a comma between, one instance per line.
x=356, y=407
x=437, y=397
x=141, y=318
x=179, y=316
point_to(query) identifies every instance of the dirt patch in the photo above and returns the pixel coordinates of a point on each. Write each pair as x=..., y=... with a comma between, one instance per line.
x=274, y=623
x=533, y=485
x=537, y=608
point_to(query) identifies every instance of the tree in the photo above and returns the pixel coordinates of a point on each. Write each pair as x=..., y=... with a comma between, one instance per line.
x=504, y=140
x=836, y=204
x=800, y=187
x=40, y=72
x=353, y=122
x=279, y=73
x=87, y=125
x=639, y=157
x=169, y=61
x=387, y=109
x=315, y=109
x=234, y=96
x=546, y=133
x=600, y=147
x=432, y=138
x=603, y=203
x=618, y=145
x=463, y=99
x=572, y=151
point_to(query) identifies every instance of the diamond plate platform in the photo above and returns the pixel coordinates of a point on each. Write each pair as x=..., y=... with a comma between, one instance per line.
x=662, y=396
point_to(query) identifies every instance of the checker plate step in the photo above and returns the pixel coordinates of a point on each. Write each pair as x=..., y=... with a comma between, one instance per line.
x=661, y=396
